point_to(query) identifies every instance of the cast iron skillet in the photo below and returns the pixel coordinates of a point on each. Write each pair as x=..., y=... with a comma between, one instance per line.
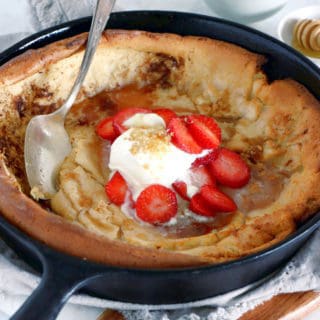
x=62, y=275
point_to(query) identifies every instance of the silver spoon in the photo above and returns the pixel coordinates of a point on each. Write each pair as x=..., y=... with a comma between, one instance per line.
x=46, y=140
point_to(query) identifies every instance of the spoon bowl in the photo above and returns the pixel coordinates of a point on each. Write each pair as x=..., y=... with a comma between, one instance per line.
x=46, y=145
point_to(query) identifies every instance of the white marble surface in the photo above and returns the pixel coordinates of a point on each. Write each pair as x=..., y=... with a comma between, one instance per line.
x=13, y=21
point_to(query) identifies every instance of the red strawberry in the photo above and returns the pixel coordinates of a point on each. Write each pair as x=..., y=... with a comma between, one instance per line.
x=230, y=169
x=105, y=129
x=165, y=114
x=204, y=160
x=201, y=176
x=205, y=131
x=217, y=200
x=199, y=206
x=116, y=189
x=181, y=136
x=181, y=188
x=156, y=204
x=124, y=115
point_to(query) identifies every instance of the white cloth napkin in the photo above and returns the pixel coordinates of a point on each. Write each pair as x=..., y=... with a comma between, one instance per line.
x=17, y=280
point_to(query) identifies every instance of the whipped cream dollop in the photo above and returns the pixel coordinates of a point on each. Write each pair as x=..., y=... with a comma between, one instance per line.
x=144, y=155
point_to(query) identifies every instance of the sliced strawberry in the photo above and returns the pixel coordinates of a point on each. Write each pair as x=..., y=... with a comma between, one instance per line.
x=124, y=115
x=201, y=176
x=105, y=129
x=156, y=204
x=116, y=189
x=205, y=159
x=217, y=200
x=181, y=137
x=199, y=206
x=205, y=130
x=230, y=169
x=165, y=114
x=181, y=188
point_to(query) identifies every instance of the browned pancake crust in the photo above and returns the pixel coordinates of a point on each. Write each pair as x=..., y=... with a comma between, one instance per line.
x=220, y=79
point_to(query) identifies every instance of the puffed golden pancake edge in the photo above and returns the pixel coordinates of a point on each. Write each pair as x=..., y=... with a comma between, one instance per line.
x=272, y=126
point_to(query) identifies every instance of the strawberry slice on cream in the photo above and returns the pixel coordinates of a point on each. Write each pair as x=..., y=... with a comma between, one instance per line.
x=166, y=160
x=145, y=155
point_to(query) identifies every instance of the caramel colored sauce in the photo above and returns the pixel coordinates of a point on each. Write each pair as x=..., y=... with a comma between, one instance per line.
x=263, y=188
x=132, y=96
x=192, y=228
x=89, y=111
x=107, y=103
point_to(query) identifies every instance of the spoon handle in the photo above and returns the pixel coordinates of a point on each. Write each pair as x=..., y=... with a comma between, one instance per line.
x=99, y=20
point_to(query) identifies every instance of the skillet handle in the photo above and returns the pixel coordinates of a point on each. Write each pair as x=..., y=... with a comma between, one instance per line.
x=58, y=283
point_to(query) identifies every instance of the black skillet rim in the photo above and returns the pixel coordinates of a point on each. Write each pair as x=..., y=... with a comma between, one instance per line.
x=36, y=40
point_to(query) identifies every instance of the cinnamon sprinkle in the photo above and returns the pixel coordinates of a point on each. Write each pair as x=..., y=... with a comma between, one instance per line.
x=150, y=140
